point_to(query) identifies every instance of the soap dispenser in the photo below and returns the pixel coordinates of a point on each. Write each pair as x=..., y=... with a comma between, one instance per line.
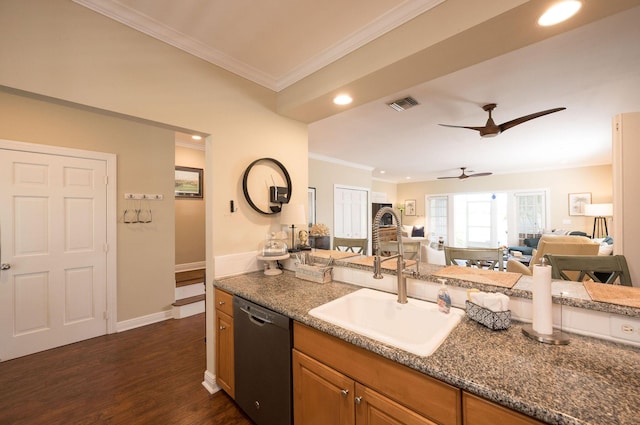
x=444, y=300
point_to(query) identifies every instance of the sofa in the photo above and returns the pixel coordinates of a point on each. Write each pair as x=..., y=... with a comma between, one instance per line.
x=555, y=244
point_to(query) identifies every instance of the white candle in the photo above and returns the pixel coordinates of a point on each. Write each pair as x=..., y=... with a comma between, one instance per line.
x=542, y=303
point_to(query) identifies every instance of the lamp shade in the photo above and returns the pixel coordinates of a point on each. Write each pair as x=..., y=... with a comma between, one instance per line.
x=598, y=210
x=292, y=214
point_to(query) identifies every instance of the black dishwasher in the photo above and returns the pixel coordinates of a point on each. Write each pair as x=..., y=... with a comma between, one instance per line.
x=262, y=356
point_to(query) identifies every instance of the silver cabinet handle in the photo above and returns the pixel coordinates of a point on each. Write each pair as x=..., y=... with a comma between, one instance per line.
x=5, y=266
x=220, y=302
x=344, y=393
x=358, y=400
x=222, y=328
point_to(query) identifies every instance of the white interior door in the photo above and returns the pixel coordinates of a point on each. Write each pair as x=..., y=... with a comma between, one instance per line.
x=351, y=213
x=54, y=239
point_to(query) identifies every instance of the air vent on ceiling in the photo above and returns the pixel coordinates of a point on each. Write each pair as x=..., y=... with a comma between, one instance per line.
x=403, y=104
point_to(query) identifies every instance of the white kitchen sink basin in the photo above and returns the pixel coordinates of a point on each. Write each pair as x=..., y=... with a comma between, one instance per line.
x=417, y=327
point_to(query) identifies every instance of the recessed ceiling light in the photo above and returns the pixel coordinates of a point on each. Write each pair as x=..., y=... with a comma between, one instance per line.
x=196, y=137
x=342, y=99
x=408, y=177
x=382, y=171
x=559, y=12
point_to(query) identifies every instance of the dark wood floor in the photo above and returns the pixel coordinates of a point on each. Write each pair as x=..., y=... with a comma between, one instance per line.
x=149, y=375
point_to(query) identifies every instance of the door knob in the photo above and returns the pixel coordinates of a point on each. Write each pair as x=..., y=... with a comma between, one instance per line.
x=5, y=266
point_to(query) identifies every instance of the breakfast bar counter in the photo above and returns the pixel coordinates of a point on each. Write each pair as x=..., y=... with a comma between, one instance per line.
x=589, y=381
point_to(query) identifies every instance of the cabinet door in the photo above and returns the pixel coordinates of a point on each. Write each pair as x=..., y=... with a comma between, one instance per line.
x=373, y=408
x=224, y=352
x=477, y=411
x=321, y=395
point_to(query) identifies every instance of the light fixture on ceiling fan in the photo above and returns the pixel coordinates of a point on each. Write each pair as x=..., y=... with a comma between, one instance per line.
x=465, y=175
x=491, y=129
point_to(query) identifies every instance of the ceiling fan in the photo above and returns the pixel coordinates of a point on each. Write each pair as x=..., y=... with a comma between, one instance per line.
x=490, y=129
x=465, y=175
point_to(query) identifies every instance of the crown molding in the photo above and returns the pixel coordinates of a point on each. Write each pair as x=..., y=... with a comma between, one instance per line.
x=143, y=23
x=339, y=161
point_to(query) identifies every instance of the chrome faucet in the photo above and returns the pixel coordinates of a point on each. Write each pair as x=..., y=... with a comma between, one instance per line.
x=377, y=262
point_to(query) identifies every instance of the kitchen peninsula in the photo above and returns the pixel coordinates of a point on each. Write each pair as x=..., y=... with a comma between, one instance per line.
x=589, y=381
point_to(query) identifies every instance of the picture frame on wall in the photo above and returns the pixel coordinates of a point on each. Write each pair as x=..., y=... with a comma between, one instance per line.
x=188, y=182
x=311, y=194
x=577, y=201
x=410, y=207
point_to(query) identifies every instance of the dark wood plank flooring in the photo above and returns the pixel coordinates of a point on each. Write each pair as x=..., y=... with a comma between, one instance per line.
x=149, y=375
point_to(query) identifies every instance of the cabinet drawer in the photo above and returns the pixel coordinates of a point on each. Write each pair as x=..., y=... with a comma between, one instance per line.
x=224, y=302
x=478, y=411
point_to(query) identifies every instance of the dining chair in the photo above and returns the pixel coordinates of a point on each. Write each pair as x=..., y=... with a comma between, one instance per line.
x=356, y=245
x=410, y=249
x=611, y=269
x=482, y=258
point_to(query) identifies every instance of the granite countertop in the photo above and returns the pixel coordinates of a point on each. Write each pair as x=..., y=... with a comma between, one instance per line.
x=589, y=381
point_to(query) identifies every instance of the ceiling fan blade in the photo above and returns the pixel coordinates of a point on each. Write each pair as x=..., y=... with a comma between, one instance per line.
x=463, y=126
x=507, y=125
x=453, y=177
x=479, y=174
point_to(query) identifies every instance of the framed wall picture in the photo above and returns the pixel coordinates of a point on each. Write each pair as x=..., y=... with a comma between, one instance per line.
x=577, y=201
x=188, y=182
x=410, y=207
x=311, y=194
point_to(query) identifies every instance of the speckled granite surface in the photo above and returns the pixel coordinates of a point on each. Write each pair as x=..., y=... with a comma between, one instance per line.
x=589, y=381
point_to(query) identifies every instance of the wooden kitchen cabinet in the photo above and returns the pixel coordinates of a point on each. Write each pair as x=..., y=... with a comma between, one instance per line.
x=372, y=408
x=478, y=411
x=224, y=341
x=323, y=395
x=338, y=383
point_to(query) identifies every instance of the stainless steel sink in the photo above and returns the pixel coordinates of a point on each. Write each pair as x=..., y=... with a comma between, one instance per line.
x=417, y=327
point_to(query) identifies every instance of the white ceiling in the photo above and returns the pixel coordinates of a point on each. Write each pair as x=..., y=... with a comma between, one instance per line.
x=593, y=71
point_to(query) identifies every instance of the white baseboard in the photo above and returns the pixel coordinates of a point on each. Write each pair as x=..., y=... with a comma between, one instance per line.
x=137, y=322
x=190, y=266
x=210, y=382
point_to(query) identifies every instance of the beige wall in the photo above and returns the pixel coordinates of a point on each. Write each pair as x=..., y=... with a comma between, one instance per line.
x=391, y=189
x=59, y=49
x=190, y=213
x=323, y=176
x=101, y=63
x=596, y=180
x=145, y=251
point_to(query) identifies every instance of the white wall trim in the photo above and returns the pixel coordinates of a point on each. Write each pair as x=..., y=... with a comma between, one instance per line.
x=210, y=382
x=137, y=322
x=191, y=266
x=112, y=212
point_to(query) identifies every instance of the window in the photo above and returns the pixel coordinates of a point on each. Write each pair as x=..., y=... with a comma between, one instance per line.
x=480, y=220
x=437, y=221
x=530, y=214
x=486, y=219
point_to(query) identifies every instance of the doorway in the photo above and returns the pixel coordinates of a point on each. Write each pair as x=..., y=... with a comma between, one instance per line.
x=57, y=247
x=351, y=212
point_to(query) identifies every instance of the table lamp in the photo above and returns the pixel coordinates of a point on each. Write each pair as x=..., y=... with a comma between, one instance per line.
x=291, y=215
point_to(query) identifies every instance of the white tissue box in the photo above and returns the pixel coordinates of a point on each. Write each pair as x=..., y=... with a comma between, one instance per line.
x=494, y=320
